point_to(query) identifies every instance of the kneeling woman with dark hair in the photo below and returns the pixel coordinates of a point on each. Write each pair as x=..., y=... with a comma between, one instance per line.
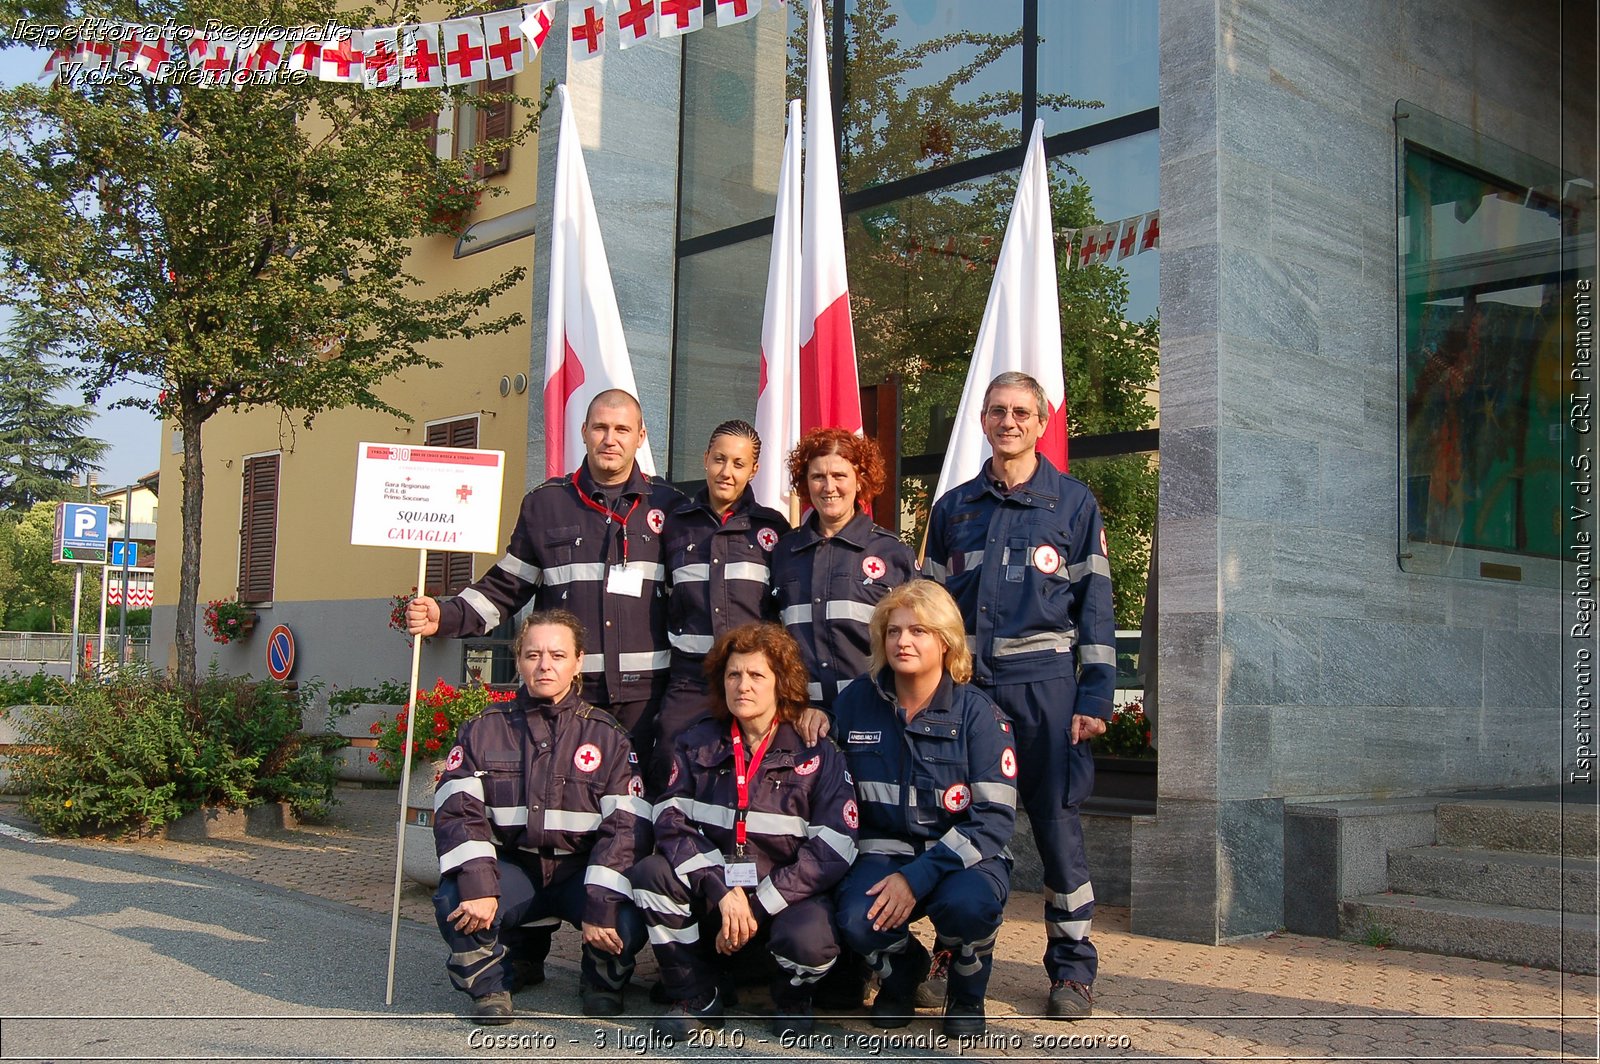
x=935, y=766
x=754, y=831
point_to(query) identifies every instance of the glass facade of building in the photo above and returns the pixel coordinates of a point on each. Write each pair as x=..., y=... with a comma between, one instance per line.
x=934, y=100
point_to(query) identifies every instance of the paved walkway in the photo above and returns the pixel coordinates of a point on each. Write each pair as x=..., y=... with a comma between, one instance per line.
x=1278, y=997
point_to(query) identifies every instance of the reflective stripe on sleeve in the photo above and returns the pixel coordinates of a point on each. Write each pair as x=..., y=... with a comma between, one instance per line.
x=684, y=643
x=935, y=570
x=997, y=793
x=482, y=607
x=814, y=691
x=1097, y=564
x=661, y=903
x=610, y=803
x=570, y=820
x=962, y=847
x=770, y=899
x=774, y=824
x=837, y=841
x=706, y=813
x=471, y=786
x=609, y=878
x=520, y=569
x=454, y=858
x=704, y=859
x=1097, y=654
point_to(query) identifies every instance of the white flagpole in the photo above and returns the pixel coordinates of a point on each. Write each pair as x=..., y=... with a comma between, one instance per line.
x=405, y=788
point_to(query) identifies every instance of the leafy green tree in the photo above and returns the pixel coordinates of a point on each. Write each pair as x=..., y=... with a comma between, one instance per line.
x=921, y=267
x=36, y=592
x=236, y=249
x=42, y=441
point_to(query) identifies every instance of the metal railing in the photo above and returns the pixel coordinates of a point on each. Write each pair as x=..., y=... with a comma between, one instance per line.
x=45, y=648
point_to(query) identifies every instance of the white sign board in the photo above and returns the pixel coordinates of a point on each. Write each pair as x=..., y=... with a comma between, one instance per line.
x=427, y=498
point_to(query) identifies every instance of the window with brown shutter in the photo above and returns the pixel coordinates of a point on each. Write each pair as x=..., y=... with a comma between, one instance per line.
x=258, y=528
x=450, y=571
x=494, y=122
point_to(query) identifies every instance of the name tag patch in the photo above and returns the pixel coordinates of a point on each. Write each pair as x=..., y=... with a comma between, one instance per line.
x=864, y=737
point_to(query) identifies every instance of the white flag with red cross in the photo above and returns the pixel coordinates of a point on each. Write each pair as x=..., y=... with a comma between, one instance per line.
x=1152, y=232
x=216, y=66
x=830, y=392
x=380, y=57
x=341, y=59
x=421, y=59
x=636, y=21
x=305, y=56
x=126, y=51
x=730, y=12
x=505, y=49
x=464, y=60
x=585, y=350
x=53, y=64
x=1108, y=242
x=261, y=57
x=778, y=394
x=536, y=22
x=1127, y=241
x=587, y=22
x=678, y=17
x=152, y=54
x=1021, y=328
x=92, y=55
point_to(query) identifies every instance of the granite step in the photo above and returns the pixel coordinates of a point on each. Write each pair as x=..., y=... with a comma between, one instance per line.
x=1525, y=827
x=1540, y=938
x=1495, y=877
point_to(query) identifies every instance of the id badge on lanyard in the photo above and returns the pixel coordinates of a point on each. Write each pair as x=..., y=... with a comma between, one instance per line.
x=741, y=872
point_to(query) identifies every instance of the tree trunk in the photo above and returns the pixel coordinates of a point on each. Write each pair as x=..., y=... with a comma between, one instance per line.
x=190, y=421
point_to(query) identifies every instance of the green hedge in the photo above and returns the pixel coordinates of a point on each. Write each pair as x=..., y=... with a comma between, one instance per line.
x=141, y=751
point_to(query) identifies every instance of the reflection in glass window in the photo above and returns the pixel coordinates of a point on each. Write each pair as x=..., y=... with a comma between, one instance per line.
x=718, y=365
x=928, y=83
x=1485, y=259
x=1099, y=53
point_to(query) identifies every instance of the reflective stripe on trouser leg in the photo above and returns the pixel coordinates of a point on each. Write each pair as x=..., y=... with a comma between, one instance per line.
x=967, y=908
x=884, y=951
x=1042, y=721
x=804, y=944
x=477, y=963
x=672, y=916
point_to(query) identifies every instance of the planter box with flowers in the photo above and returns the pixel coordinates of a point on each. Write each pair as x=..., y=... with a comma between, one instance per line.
x=449, y=207
x=440, y=714
x=1124, y=761
x=228, y=619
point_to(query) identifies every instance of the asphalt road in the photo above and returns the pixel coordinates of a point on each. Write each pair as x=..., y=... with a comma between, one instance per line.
x=114, y=955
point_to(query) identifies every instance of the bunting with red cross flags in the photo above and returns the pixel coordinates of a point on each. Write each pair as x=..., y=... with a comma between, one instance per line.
x=262, y=57
x=92, y=55
x=1130, y=236
x=305, y=56
x=505, y=49
x=151, y=55
x=464, y=59
x=421, y=64
x=636, y=22
x=216, y=66
x=341, y=59
x=1152, y=232
x=380, y=64
x=588, y=28
x=731, y=12
x=679, y=17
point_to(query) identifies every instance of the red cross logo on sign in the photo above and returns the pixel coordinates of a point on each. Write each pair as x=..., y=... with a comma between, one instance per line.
x=873, y=566
x=957, y=797
x=636, y=786
x=851, y=816
x=453, y=762
x=656, y=520
x=587, y=758
x=464, y=493
x=767, y=538
x=1008, y=764
x=1046, y=559
x=808, y=767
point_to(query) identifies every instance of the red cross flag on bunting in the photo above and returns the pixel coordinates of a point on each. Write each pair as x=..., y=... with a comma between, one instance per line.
x=151, y=54
x=421, y=64
x=262, y=57
x=636, y=22
x=732, y=11
x=464, y=60
x=588, y=23
x=380, y=50
x=1129, y=237
x=504, y=47
x=680, y=16
x=341, y=59
x=217, y=66
x=92, y=55
x=536, y=25
x=1152, y=232
x=305, y=57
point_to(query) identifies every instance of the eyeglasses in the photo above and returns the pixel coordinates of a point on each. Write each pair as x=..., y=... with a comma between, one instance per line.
x=1019, y=414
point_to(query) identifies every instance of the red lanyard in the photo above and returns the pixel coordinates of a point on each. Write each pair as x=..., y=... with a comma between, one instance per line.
x=611, y=515
x=742, y=778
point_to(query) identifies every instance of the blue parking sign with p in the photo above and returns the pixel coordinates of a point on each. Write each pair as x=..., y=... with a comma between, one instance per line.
x=82, y=530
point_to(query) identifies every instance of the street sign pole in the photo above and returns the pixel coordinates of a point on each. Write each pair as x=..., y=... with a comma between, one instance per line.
x=100, y=657
x=127, y=549
x=72, y=649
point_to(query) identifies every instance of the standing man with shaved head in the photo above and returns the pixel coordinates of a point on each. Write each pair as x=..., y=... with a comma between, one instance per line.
x=588, y=542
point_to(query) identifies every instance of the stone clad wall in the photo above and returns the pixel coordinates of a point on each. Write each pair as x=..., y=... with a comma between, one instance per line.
x=1298, y=661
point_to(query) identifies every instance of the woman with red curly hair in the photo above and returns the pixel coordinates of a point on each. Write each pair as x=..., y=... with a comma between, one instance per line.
x=830, y=572
x=755, y=829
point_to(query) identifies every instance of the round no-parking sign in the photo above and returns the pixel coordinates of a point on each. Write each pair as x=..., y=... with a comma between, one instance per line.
x=280, y=652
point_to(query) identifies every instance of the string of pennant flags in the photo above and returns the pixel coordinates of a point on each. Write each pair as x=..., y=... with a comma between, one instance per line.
x=419, y=56
x=1087, y=246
